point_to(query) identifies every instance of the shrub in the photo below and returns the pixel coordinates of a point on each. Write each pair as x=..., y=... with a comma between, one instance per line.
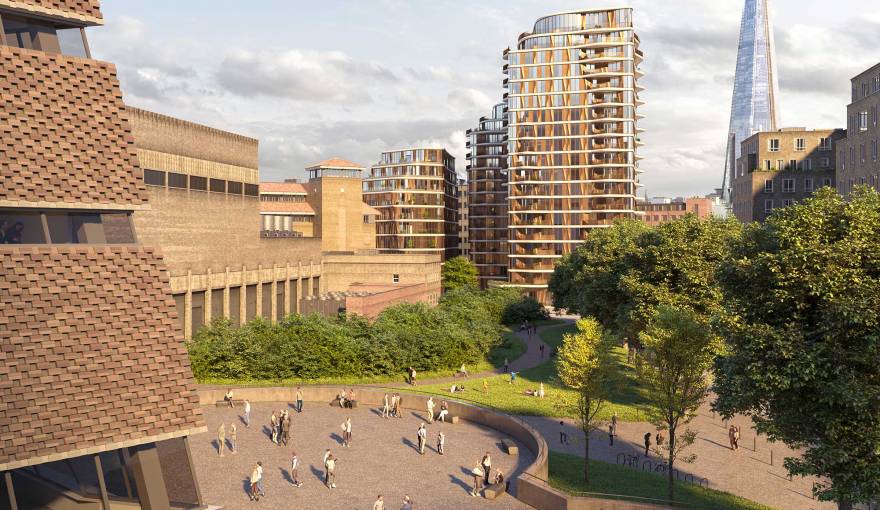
x=527, y=309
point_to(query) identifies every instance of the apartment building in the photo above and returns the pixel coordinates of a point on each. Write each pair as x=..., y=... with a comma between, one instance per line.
x=463, y=212
x=779, y=168
x=659, y=210
x=858, y=155
x=487, y=195
x=414, y=191
x=98, y=396
x=573, y=97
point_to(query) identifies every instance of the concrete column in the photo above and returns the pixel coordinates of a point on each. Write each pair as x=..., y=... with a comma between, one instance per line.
x=148, y=479
x=286, y=289
x=226, y=293
x=242, y=293
x=274, y=297
x=299, y=293
x=208, y=288
x=260, y=291
x=187, y=307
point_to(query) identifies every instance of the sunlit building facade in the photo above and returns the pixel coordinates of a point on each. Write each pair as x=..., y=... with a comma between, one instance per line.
x=414, y=191
x=572, y=126
x=487, y=192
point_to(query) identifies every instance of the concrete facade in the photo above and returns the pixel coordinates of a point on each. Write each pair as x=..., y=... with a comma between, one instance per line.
x=342, y=271
x=858, y=155
x=343, y=221
x=782, y=167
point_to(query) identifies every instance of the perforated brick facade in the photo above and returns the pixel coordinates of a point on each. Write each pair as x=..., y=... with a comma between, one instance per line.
x=82, y=10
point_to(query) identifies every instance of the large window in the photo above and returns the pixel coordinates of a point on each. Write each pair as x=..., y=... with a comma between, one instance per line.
x=800, y=144
x=773, y=145
x=21, y=227
x=31, y=34
x=788, y=185
x=824, y=144
x=65, y=227
x=768, y=186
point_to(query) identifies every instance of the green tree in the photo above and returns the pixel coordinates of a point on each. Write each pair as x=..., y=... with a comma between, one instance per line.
x=459, y=272
x=583, y=365
x=804, y=339
x=675, y=365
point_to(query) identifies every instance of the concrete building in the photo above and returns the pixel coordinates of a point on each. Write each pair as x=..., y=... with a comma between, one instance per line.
x=98, y=397
x=573, y=97
x=463, y=213
x=414, y=191
x=285, y=210
x=487, y=195
x=858, y=155
x=658, y=210
x=779, y=168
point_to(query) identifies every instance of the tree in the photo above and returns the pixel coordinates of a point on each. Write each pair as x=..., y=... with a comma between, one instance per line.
x=621, y=274
x=583, y=365
x=804, y=339
x=459, y=272
x=678, y=354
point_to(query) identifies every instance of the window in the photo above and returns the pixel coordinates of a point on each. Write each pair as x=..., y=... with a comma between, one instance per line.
x=788, y=185
x=21, y=227
x=768, y=186
x=251, y=190
x=768, y=206
x=824, y=144
x=800, y=144
x=31, y=34
x=154, y=177
x=65, y=227
x=767, y=165
x=780, y=164
x=218, y=185
x=807, y=164
x=198, y=183
x=875, y=148
x=808, y=185
x=862, y=153
x=825, y=162
x=787, y=202
x=826, y=182
x=792, y=164
x=863, y=121
x=176, y=180
x=233, y=188
x=395, y=278
x=773, y=145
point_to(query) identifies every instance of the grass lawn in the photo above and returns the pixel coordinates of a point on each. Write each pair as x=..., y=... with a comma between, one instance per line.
x=626, y=402
x=567, y=472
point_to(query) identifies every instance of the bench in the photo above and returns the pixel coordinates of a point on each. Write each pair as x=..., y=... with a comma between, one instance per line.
x=225, y=403
x=495, y=490
x=509, y=446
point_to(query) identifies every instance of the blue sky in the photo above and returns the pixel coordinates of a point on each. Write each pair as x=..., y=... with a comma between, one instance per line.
x=350, y=78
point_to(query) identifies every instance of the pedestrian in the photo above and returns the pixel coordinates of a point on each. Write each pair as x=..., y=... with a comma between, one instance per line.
x=407, y=503
x=541, y=391
x=379, y=504
x=463, y=371
x=286, y=425
x=386, y=407
x=541, y=348
x=658, y=439
x=487, y=466
x=563, y=435
x=330, y=472
x=614, y=422
x=255, y=484
x=647, y=442
x=611, y=434
x=228, y=398
x=273, y=422
x=444, y=410
x=247, y=413
x=512, y=378
x=412, y=376
x=221, y=439
x=280, y=434
x=294, y=470
x=736, y=438
x=441, y=442
x=232, y=438
x=422, y=436
x=506, y=365
x=346, y=432
x=430, y=405
x=299, y=399
x=326, y=456
x=260, y=479
x=478, y=479
x=399, y=407
x=485, y=387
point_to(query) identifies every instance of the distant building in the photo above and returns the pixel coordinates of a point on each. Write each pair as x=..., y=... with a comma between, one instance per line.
x=661, y=210
x=285, y=210
x=463, y=235
x=779, y=168
x=415, y=192
x=858, y=155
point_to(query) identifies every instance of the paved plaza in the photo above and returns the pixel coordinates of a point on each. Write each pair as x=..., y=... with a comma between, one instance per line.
x=382, y=459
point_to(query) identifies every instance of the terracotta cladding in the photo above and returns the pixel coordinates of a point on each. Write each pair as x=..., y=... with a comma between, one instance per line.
x=91, y=355
x=76, y=8
x=65, y=134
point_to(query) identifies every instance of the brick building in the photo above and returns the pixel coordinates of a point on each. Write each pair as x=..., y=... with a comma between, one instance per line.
x=660, y=210
x=858, y=160
x=779, y=168
x=97, y=394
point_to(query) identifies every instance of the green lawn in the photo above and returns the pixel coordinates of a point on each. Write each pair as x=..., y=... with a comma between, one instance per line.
x=566, y=473
x=627, y=401
x=511, y=348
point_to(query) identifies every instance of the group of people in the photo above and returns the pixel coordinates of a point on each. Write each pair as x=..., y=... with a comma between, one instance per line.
x=221, y=438
x=658, y=440
x=280, y=427
x=482, y=472
x=380, y=503
x=392, y=406
x=733, y=435
x=535, y=393
x=346, y=398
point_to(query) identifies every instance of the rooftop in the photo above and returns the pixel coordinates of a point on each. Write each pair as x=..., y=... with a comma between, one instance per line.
x=335, y=163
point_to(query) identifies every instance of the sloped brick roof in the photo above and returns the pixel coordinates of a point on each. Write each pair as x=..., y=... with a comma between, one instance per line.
x=282, y=187
x=92, y=356
x=287, y=207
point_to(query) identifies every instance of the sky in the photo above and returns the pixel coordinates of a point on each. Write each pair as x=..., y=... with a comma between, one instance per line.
x=352, y=78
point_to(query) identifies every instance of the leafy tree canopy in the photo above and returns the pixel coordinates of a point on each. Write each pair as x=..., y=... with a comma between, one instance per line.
x=458, y=272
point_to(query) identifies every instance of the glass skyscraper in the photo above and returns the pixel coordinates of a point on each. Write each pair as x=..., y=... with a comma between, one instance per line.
x=754, y=107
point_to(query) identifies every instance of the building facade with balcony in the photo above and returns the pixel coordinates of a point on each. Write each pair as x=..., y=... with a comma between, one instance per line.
x=858, y=155
x=487, y=193
x=98, y=396
x=779, y=168
x=464, y=245
x=414, y=191
x=572, y=97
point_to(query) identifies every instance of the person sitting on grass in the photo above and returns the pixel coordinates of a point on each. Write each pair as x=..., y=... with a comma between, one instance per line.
x=455, y=388
x=530, y=393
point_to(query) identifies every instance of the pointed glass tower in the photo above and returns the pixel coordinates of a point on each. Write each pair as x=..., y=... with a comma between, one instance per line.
x=754, y=107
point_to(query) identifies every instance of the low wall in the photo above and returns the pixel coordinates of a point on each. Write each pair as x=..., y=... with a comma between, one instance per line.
x=531, y=487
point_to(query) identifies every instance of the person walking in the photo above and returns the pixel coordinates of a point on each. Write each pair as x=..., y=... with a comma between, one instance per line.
x=430, y=405
x=658, y=439
x=346, y=433
x=260, y=480
x=736, y=438
x=330, y=472
x=541, y=390
x=478, y=479
x=299, y=399
x=232, y=438
x=647, y=443
x=286, y=423
x=512, y=378
x=611, y=434
x=487, y=466
x=463, y=371
x=422, y=437
x=385, y=407
x=247, y=413
x=485, y=387
x=412, y=376
x=379, y=504
x=273, y=422
x=541, y=349
x=294, y=470
x=441, y=442
x=506, y=365
x=221, y=439
x=256, y=474
x=407, y=503
x=398, y=409
x=563, y=435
